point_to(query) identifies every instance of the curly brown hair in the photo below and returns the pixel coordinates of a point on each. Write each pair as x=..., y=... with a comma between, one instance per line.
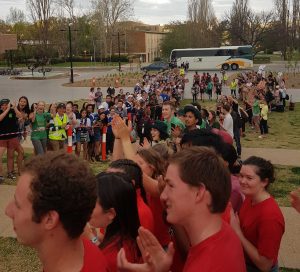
x=63, y=183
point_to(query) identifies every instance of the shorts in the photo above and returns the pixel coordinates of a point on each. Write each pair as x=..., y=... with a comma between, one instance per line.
x=97, y=136
x=12, y=143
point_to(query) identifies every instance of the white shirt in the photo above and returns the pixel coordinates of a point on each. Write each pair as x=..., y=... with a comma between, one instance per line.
x=228, y=124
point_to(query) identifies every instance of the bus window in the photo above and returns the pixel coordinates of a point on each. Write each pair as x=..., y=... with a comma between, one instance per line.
x=244, y=51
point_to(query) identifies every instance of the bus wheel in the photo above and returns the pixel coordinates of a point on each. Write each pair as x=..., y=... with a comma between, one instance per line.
x=234, y=66
x=225, y=66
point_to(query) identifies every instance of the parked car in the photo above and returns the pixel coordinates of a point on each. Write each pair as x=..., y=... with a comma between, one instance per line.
x=156, y=66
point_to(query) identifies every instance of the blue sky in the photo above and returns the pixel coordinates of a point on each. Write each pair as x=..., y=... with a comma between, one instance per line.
x=152, y=11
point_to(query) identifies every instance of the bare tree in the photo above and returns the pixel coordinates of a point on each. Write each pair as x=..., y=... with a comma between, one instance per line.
x=295, y=24
x=282, y=10
x=108, y=14
x=41, y=12
x=15, y=16
x=238, y=21
x=201, y=23
x=68, y=7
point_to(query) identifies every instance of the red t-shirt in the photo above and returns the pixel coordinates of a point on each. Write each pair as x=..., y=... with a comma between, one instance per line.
x=145, y=213
x=263, y=225
x=161, y=229
x=236, y=197
x=94, y=260
x=225, y=135
x=110, y=253
x=226, y=214
x=221, y=252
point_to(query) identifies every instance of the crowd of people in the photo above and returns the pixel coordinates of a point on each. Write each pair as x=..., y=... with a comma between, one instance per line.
x=177, y=199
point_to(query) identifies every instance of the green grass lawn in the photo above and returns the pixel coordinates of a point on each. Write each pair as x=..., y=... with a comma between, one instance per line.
x=17, y=258
x=273, y=57
x=284, y=131
x=287, y=180
x=87, y=64
x=67, y=64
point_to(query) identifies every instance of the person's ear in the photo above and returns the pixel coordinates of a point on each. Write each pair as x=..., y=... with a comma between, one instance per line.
x=133, y=182
x=265, y=182
x=111, y=214
x=200, y=193
x=51, y=220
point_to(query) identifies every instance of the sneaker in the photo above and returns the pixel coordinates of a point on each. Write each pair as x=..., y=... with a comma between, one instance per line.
x=1, y=179
x=260, y=137
x=11, y=176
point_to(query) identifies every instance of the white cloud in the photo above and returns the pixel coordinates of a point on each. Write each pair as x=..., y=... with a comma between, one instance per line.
x=152, y=11
x=156, y=2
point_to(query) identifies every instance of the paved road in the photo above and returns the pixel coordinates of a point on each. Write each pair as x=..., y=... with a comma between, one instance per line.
x=52, y=90
x=47, y=90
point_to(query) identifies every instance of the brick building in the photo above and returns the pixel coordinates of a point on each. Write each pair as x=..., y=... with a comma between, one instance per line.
x=145, y=45
x=8, y=42
x=140, y=41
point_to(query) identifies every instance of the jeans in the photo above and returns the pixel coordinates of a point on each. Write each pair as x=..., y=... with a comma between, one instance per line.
x=263, y=125
x=237, y=138
x=233, y=92
x=40, y=146
x=194, y=97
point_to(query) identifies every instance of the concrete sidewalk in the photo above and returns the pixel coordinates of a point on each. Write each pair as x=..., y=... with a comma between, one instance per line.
x=289, y=157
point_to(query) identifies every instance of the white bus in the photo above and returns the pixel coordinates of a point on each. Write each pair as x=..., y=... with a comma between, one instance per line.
x=224, y=57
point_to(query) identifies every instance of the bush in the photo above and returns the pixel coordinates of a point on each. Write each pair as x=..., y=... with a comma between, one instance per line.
x=57, y=60
x=262, y=59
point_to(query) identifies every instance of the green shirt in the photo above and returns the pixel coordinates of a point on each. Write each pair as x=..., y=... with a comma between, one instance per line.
x=39, y=126
x=216, y=124
x=256, y=108
x=177, y=122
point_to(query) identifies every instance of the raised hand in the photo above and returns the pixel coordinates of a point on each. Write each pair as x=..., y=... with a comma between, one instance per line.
x=119, y=128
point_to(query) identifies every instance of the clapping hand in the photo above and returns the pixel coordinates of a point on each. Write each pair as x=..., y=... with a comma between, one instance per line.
x=119, y=128
x=154, y=256
x=176, y=131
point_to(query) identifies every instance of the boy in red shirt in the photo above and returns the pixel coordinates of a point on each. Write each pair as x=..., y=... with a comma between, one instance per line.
x=54, y=198
x=196, y=194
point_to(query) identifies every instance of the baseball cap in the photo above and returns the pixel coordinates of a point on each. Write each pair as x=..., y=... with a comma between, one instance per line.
x=4, y=101
x=101, y=106
x=61, y=105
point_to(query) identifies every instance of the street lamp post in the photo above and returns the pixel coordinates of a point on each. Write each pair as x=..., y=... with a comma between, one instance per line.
x=71, y=60
x=70, y=50
x=119, y=48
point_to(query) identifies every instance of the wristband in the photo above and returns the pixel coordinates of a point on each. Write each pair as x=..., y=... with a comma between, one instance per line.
x=95, y=240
